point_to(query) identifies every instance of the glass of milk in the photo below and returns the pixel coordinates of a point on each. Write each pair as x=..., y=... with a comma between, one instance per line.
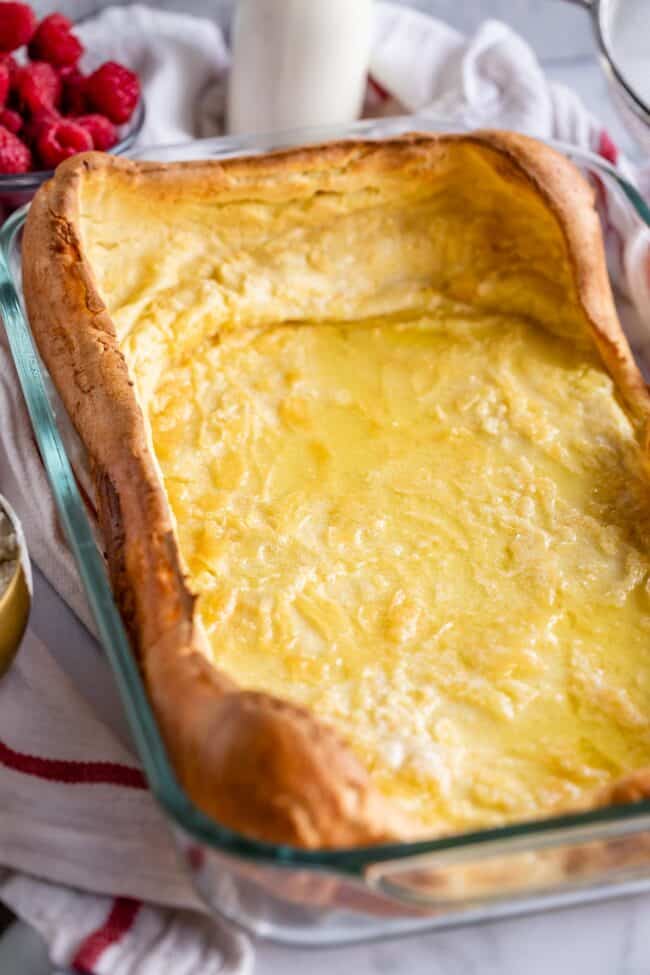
x=297, y=63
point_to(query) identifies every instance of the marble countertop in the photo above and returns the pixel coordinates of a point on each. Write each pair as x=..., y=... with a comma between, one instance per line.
x=608, y=938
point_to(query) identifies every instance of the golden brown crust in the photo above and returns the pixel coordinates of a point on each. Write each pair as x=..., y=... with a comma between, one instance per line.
x=257, y=764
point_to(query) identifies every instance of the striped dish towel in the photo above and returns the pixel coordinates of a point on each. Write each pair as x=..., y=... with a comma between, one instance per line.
x=75, y=808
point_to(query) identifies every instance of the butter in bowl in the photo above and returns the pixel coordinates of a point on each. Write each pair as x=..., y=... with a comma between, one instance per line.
x=15, y=585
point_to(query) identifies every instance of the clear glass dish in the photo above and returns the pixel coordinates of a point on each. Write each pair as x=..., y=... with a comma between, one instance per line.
x=336, y=896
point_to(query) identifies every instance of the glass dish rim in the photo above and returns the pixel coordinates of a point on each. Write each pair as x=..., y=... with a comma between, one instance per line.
x=162, y=780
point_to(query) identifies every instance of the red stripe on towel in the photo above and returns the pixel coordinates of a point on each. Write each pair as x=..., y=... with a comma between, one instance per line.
x=120, y=920
x=72, y=772
x=607, y=148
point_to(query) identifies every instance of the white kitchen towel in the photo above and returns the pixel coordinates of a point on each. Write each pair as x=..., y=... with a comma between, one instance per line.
x=74, y=808
x=181, y=60
x=79, y=835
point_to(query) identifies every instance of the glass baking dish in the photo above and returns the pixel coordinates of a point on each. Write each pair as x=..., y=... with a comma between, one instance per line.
x=336, y=896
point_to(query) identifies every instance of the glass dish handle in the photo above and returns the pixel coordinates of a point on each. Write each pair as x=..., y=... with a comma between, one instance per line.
x=554, y=862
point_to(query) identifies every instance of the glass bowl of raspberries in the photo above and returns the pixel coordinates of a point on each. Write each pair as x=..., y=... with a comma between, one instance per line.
x=50, y=107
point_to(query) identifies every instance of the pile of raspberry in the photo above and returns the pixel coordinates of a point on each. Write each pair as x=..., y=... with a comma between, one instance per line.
x=49, y=110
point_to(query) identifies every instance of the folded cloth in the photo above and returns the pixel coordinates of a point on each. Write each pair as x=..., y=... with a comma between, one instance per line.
x=74, y=808
x=105, y=837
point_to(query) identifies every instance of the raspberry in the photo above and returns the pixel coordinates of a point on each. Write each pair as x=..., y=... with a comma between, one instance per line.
x=114, y=91
x=4, y=82
x=41, y=119
x=12, y=67
x=74, y=92
x=54, y=42
x=17, y=24
x=68, y=72
x=11, y=120
x=15, y=157
x=59, y=140
x=100, y=129
x=11, y=63
x=37, y=86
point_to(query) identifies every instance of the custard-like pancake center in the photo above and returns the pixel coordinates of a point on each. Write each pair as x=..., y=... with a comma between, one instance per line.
x=435, y=535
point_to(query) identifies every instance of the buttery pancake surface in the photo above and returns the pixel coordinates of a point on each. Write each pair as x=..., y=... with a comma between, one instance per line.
x=404, y=527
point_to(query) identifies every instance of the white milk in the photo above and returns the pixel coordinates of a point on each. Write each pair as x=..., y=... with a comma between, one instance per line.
x=298, y=63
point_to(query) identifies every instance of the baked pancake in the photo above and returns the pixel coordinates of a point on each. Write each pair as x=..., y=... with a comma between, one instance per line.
x=371, y=466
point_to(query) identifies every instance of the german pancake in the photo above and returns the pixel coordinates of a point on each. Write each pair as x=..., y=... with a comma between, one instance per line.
x=371, y=467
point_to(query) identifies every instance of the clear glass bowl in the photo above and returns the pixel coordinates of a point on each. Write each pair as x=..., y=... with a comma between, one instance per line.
x=17, y=189
x=335, y=896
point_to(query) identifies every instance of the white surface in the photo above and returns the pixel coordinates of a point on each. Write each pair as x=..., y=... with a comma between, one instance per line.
x=611, y=938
